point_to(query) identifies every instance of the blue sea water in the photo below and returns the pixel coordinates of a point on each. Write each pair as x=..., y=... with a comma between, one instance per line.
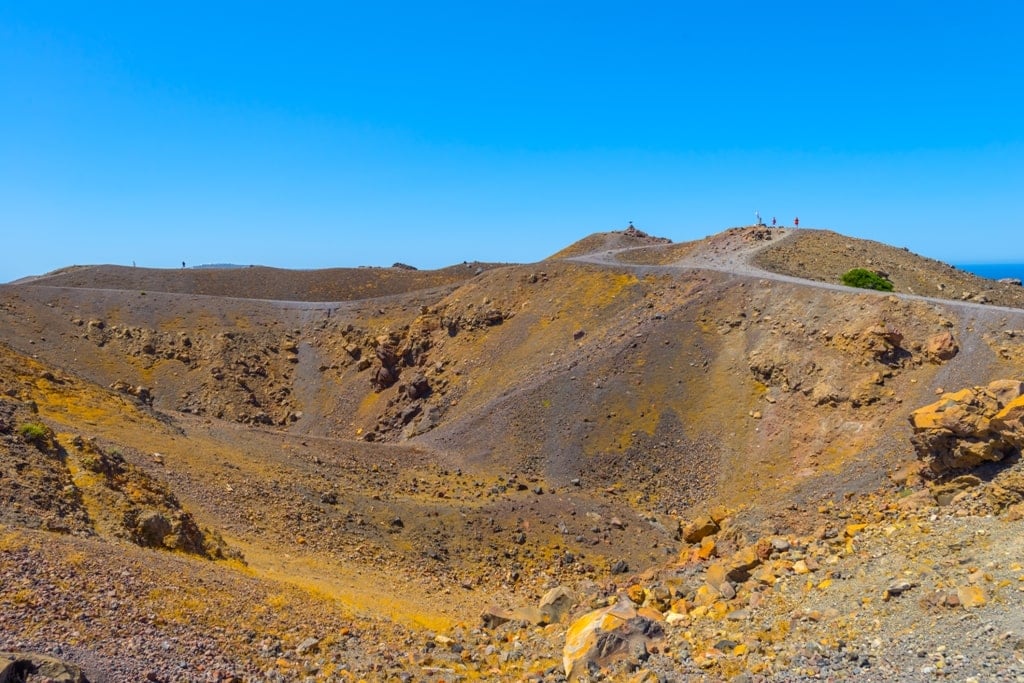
x=995, y=271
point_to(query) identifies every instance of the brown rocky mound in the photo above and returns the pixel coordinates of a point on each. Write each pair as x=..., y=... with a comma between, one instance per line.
x=824, y=256
x=630, y=238
x=88, y=490
x=260, y=282
x=36, y=488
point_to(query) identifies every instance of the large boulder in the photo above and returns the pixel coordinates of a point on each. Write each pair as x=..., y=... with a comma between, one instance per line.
x=618, y=632
x=556, y=604
x=494, y=616
x=152, y=528
x=968, y=427
x=699, y=528
x=941, y=347
x=16, y=667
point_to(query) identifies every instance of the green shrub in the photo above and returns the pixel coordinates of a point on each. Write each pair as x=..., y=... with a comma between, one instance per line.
x=866, y=279
x=35, y=432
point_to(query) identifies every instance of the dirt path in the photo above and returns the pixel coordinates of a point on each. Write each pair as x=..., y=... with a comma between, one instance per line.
x=732, y=252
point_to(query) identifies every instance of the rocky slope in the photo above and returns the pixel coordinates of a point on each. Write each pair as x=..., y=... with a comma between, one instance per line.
x=714, y=454
x=824, y=255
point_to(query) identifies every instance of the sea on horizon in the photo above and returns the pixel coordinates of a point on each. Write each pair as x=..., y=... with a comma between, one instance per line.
x=994, y=271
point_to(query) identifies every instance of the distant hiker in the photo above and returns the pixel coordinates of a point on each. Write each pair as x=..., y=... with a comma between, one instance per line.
x=182, y=264
x=796, y=221
x=133, y=264
x=773, y=221
x=757, y=215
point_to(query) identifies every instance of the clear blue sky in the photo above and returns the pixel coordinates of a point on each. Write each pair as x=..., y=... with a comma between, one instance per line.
x=311, y=135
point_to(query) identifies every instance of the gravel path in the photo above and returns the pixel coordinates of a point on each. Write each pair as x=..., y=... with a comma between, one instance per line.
x=733, y=252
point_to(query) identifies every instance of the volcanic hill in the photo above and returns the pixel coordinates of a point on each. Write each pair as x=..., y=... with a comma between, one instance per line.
x=634, y=460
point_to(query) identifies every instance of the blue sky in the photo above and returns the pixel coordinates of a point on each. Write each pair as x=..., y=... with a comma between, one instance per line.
x=339, y=134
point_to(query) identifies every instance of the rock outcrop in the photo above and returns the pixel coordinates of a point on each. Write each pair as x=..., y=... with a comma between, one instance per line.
x=609, y=634
x=36, y=489
x=554, y=606
x=16, y=667
x=130, y=504
x=968, y=427
x=635, y=233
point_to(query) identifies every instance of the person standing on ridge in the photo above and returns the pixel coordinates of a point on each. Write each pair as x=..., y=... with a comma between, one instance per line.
x=796, y=221
x=773, y=221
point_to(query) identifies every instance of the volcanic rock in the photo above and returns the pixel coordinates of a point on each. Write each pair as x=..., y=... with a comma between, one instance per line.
x=699, y=528
x=16, y=667
x=556, y=604
x=620, y=631
x=965, y=428
x=941, y=347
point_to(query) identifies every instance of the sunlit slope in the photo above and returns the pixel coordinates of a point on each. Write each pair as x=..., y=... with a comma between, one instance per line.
x=824, y=256
x=682, y=386
x=675, y=384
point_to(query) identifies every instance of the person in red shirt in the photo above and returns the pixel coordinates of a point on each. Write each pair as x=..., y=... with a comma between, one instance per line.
x=796, y=222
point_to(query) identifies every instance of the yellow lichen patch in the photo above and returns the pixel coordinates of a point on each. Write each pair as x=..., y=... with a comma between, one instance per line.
x=71, y=407
x=972, y=596
x=600, y=289
x=1013, y=406
x=619, y=432
x=10, y=539
x=87, y=483
x=21, y=596
x=368, y=407
x=838, y=454
x=70, y=401
x=75, y=558
x=180, y=607
x=370, y=400
x=276, y=601
x=582, y=636
x=1009, y=349
x=357, y=587
x=854, y=529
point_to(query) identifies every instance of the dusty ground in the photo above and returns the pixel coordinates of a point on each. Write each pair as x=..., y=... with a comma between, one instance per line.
x=824, y=256
x=421, y=446
x=260, y=282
